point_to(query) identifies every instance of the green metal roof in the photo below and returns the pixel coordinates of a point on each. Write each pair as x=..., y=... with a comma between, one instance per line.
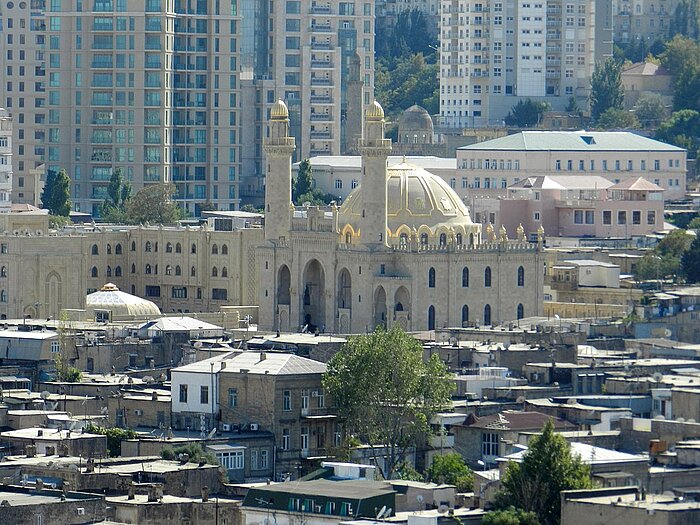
x=573, y=141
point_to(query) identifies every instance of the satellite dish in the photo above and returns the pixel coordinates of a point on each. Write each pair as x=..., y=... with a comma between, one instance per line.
x=690, y=420
x=681, y=420
x=380, y=515
x=420, y=498
x=45, y=395
x=571, y=401
x=197, y=344
x=658, y=376
x=520, y=400
x=104, y=411
x=442, y=509
x=388, y=512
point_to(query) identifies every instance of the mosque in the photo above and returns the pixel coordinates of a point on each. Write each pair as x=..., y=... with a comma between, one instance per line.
x=402, y=249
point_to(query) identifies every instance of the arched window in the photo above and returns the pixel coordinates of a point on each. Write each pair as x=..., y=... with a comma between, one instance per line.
x=194, y=248
x=95, y=250
x=465, y=277
x=443, y=240
x=109, y=271
x=214, y=272
x=133, y=246
x=215, y=249
x=3, y=296
x=431, y=278
x=487, y=314
x=3, y=271
x=348, y=237
x=118, y=271
x=178, y=248
x=156, y=247
x=224, y=272
x=465, y=315
x=149, y=270
x=93, y=272
x=193, y=271
x=133, y=268
x=224, y=249
x=178, y=270
x=520, y=313
x=431, y=317
x=424, y=240
x=169, y=248
x=118, y=249
x=168, y=270
x=109, y=249
x=458, y=239
x=149, y=246
x=487, y=277
x=521, y=276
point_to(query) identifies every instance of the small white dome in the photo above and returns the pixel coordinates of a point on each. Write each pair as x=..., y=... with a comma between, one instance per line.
x=120, y=303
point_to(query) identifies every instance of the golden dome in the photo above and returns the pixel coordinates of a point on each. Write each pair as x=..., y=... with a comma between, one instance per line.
x=279, y=111
x=375, y=111
x=415, y=198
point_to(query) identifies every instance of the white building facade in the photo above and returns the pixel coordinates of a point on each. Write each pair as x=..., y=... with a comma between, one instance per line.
x=5, y=161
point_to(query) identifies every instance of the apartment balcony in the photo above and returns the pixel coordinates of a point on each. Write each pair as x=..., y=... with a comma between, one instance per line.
x=553, y=49
x=483, y=61
x=321, y=28
x=554, y=10
x=553, y=74
x=101, y=156
x=316, y=99
x=321, y=117
x=553, y=62
x=554, y=36
x=478, y=74
x=320, y=81
x=319, y=152
x=325, y=64
x=321, y=45
x=321, y=10
x=321, y=135
x=553, y=23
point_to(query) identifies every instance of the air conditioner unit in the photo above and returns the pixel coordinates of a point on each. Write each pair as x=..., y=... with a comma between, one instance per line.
x=226, y=427
x=254, y=427
x=80, y=511
x=138, y=412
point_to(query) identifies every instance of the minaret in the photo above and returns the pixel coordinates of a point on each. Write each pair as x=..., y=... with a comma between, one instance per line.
x=278, y=147
x=374, y=149
x=353, y=113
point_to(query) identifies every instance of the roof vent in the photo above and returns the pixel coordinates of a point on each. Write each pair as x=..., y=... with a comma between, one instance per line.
x=588, y=139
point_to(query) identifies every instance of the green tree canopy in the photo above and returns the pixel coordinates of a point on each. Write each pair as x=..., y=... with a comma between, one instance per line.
x=304, y=190
x=401, y=83
x=115, y=436
x=118, y=193
x=681, y=129
x=451, y=469
x=675, y=243
x=526, y=113
x=409, y=35
x=682, y=59
x=650, y=110
x=690, y=262
x=606, y=87
x=548, y=467
x=510, y=516
x=385, y=392
x=614, y=118
x=153, y=204
x=56, y=194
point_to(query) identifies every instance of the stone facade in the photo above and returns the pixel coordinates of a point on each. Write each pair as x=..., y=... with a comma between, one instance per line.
x=402, y=251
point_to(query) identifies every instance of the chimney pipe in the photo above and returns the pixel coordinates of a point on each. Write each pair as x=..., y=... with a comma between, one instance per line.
x=205, y=494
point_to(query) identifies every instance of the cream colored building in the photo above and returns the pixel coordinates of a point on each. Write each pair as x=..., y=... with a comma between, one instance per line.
x=181, y=269
x=488, y=168
x=401, y=249
x=647, y=20
x=5, y=161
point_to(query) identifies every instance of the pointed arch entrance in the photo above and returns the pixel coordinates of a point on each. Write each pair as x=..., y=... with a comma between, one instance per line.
x=312, y=297
x=380, y=307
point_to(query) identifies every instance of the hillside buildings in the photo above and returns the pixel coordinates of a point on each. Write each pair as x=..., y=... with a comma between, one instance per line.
x=643, y=20
x=493, y=54
x=161, y=91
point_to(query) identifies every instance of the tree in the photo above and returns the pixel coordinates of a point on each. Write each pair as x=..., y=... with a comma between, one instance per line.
x=304, y=181
x=650, y=109
x=682, y=59
x=572, y=106
x=656, y=267
x=526, y=113
x=690, y=262
x=681, y=129
x=674, y=244
x=614, y=118
x=115, y=436
x=385, y=393
x=405, y=81
x=195, y=454
x=56, y=194
x=606, y=87
x=409, y=35
x=547, y=468
x=451, y=469
x=153, y=204
x=118, y=193
x=510, y=516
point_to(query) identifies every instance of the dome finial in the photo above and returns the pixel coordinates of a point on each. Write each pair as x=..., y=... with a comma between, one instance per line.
x=279, y=111
x=375, y=112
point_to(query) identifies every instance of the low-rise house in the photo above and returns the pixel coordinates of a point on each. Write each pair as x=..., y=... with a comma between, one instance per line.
x=487, y=438
x=149, y=407
x=586, y=417
x=49, y=441
x=43, y=506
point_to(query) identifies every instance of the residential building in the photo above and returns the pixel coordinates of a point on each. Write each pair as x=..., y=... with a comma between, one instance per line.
x=646, y=78
x=259, y=391
x=493, y=54
x=489, y=168
x=39, y=506
x=23, y=47
x=32, y=441
x=6, y=140
x=428, y=263
x=319, y=58
x=643, y=20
